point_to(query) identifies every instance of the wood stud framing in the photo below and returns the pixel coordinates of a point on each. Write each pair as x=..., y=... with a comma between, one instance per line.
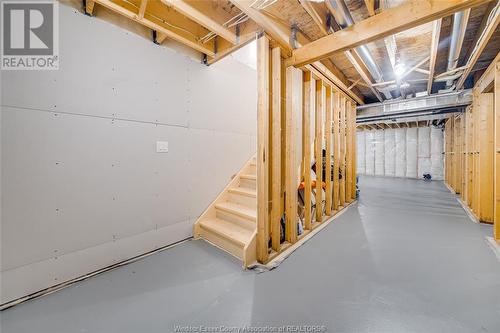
x=472, y=150
x=295, y=102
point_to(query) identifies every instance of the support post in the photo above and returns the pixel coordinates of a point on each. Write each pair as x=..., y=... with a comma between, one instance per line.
x=262, y=148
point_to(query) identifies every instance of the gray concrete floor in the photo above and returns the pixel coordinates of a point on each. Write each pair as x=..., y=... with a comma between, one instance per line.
x=406, y=258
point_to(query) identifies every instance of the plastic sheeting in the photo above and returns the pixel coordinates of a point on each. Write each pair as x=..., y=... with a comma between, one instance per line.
x=437, y=159
x=361, y=151
x=379, y=153
x=401, y=152
x=424, y=151
x=389, y=151
x=370, y=153
x=400, y=138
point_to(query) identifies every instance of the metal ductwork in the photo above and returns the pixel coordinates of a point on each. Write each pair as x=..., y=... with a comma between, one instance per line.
x=343, y=17
x=457, y=37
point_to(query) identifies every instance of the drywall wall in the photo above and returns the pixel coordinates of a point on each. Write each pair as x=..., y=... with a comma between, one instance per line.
x=83, y=185
x=401, y=152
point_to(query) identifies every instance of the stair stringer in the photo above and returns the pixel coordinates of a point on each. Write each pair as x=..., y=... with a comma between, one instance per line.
x=250, y=250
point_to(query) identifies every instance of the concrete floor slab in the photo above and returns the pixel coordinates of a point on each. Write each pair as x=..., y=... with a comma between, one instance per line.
x=405, y=258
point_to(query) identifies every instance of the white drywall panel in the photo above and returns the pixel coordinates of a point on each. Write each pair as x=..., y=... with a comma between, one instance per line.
x=424, y=151
x=390, y=152
x=400, y=155
x=205, y=160
x=231, y=108
x=379, y=153
x=370, y=153
x=411, y=152
x=105, y=71
x=83, y=185
x=361, y=152
x=437, y=153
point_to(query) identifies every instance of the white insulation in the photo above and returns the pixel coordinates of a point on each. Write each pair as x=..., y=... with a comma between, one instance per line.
x=401, y=152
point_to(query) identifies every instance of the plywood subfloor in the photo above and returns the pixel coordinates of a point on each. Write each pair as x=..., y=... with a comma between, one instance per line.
x=405, y=258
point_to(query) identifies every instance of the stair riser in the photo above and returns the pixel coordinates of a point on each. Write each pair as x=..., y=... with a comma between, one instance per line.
x=243, y=200
x=248, y=183
x=242, y=222
x=223, y=243
x=251, y=170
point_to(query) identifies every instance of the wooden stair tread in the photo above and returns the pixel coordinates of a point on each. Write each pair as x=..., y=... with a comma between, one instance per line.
x=228, y=230
x=239, y=210
x=248, y=176
x=246, y=191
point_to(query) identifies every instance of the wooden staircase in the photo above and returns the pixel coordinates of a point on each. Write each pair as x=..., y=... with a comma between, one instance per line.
x=230, y=222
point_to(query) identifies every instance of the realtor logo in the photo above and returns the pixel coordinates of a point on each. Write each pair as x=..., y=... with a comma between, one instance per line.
x=30, y=35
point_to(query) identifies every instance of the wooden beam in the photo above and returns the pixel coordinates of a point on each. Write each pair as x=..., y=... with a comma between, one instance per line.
x=281, y=33
x=388, y=22
x=308, y=109
x=142, y=9
x=275, y=148
x=318, y=147
x=352, y=56
x=436, y=30
x=488, y=31
x=324, y=73
x=185, y=39
x=194, y=14
x=422, y=71
x=262, y=148
x=488, y=78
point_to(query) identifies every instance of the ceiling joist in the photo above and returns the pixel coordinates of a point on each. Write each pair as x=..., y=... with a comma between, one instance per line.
x=194, y=14
x=488, y=31
x=388, y=22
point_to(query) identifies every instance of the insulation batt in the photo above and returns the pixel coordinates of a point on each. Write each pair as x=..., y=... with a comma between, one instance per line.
x=401, y=152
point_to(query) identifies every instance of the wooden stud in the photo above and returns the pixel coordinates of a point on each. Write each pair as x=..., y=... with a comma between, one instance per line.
x=348, y=154
x=275, y=148
x=318, y=147
x=308, y=109
x=496, y=227
x=328, y=148
x=293, y=107
x=263, y=74
x=354, y=152
x=336, y=150
x=342, y=181
x=486, y=156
